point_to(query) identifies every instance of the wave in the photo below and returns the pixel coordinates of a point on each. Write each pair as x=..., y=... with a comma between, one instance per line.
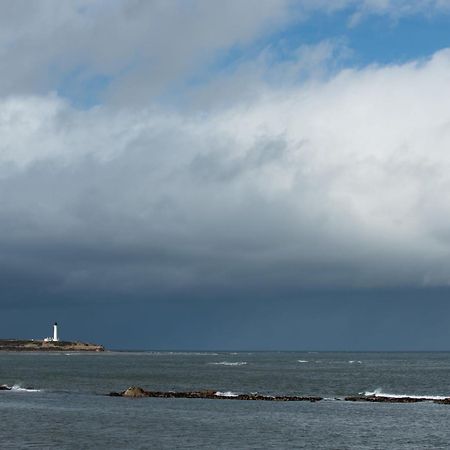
x=19, y=388
x=163, y=353
x=302, y=361
x=226, y=394
x=355, y=362
x=229, y=363
x=380, y=393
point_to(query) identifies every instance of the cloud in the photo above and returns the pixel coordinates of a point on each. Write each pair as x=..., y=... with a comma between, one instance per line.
x=135, y=52
x=394, y=8
x=359, y=10
x=337, y=182
x=249, y=80
x=131, y=50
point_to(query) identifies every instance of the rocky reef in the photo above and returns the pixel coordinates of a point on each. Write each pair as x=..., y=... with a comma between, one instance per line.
x=16, y=345
x=383, y=399
x=138, y=392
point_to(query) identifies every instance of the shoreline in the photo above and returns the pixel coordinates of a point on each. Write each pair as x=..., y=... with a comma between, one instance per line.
x=30, y=345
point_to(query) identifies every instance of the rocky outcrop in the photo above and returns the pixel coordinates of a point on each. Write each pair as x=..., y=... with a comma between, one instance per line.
x=442, y=401
x=16, y=345
x=138, y=392
x=134, y=392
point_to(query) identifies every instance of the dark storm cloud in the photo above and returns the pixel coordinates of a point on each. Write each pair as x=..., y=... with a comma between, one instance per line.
x=132, y=203
x=232, y=224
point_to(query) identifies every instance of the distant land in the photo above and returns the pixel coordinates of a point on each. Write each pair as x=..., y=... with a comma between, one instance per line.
x=17, y=345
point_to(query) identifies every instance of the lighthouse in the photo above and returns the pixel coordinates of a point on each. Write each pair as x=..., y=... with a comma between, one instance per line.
x=55, y=332
x=55, y=337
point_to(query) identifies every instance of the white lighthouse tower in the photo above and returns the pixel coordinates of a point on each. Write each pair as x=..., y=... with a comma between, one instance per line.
x=55, y=337
x=55, y=332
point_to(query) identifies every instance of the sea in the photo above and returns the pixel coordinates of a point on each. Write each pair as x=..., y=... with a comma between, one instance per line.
x=60, y=401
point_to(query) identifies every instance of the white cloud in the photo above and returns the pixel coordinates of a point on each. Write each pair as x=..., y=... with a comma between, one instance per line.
x=361, y=9
x=396, y=8
x=137, y=50
x=139, y=46
x=338, y=182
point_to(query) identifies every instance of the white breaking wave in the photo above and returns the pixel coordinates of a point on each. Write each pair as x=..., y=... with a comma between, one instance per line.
x=226, y=394
x=302, y=361
x=380, y=393
x=355, y=362
x=228, y=363
x=18, y=388
x=183, y=353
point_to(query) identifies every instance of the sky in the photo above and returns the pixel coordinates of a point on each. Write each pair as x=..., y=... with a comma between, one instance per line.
x=252, y=174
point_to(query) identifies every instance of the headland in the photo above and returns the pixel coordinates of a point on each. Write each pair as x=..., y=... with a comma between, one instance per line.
x=32, y=345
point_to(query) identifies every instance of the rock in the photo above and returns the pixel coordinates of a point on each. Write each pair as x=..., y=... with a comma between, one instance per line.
x=3, y=387
x=138, y=392
x=443, y=401
x=134, y=392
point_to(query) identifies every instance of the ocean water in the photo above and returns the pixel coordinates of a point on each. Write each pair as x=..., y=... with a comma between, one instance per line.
x=68, y=407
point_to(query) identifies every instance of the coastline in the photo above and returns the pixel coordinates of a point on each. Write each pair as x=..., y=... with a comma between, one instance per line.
x=30, y=345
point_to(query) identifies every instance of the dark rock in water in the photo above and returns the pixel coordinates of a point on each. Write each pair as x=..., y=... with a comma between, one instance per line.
x=442, y=401
x=138, y=392
x=3, y=387
x=115, y=394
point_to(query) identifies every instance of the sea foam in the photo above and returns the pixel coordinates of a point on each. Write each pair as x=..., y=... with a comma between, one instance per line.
x=19, y=388
x=164, y=353
x=226, y=394
x=380, y=393
x=229, y=363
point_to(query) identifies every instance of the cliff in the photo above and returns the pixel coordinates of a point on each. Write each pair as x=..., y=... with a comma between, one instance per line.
x=16, y=345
